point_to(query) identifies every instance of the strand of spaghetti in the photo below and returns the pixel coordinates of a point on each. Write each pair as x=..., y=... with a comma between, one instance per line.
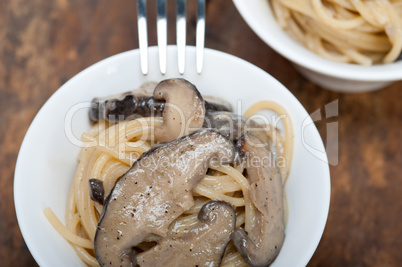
x=297, y=32
x=340, y=43
x=242, y=181
x=240, y=167
x=322, y=51
x=309, y=41
x=116, y=144
x=301, y=6
x=369, y=28
x=71, y=201
x=95, y=173
x=378, y=12
x=85, y=256
x=112, y=171
x=366, y=12
x=347, y=13
x=234, y=174
x=105, y=148
x=199, y=202
x=281, y=13
x=98, y=128
x=323, y=15
x=394, y=32
x=72, y=226
x=221, y=183
x=139, y=146
x=81, y=252
x=222, y=188
x=358, y=57
x=354, y=28
x=84, y=204
x=398, y=8
x=91, y=217
x=347, y=38
x=79, y=176
x=289, y=138
x=240, y=219
x=98, y=165
x=127, y=130
x=144, y=123
x=71, y=207
x=212, y=194
x=343, y=3
x=343, y=12
x=97, y=168
x=63, y=231
x=88, y=203
x=118, y=152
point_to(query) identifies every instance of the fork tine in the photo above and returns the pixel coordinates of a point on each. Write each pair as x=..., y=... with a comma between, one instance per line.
x=181, y=34
x=143, y=35
x=200, y=34
x=161, y=25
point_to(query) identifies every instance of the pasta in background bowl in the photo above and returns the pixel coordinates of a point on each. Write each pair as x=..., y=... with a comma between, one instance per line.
x=330, y=74
x=48, y=155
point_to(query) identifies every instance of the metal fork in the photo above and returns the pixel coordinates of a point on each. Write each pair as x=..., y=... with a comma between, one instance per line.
x=162, y=34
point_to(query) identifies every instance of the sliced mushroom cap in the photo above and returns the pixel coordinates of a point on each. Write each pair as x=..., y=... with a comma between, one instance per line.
x=127, y=105
x=184, y=110
x=263, y=243
x=154, y=192
x=140, y=103
x=203, y=245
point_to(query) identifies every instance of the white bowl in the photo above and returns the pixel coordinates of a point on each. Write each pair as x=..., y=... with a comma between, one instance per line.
x=328, y=74
x=47, y=159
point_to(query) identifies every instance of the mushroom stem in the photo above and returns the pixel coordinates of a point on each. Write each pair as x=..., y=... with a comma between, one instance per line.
x=262, y=244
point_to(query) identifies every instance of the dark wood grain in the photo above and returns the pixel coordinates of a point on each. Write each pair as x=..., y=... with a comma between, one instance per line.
x=44, y=43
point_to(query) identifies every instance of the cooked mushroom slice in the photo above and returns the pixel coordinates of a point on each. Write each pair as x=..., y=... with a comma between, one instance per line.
x=234, y=126
x=128, y=105
x=230, y=125
x=203, y=245
x=139, y=103
x=213, y=104
x=154, y=192
x=263, y=243
x=184, y=110
x=96, y=190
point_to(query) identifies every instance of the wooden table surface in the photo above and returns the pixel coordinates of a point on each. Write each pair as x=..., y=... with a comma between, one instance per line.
x=45, y=43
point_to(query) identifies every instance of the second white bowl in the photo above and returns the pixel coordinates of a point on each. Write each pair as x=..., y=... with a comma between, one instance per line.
x=328, y=74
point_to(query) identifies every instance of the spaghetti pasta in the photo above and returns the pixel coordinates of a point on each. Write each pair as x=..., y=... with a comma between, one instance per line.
x=349, y=31
x=111, y=150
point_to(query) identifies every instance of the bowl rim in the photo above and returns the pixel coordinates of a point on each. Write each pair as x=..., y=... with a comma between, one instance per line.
x=17, y=177
x=300, y=55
